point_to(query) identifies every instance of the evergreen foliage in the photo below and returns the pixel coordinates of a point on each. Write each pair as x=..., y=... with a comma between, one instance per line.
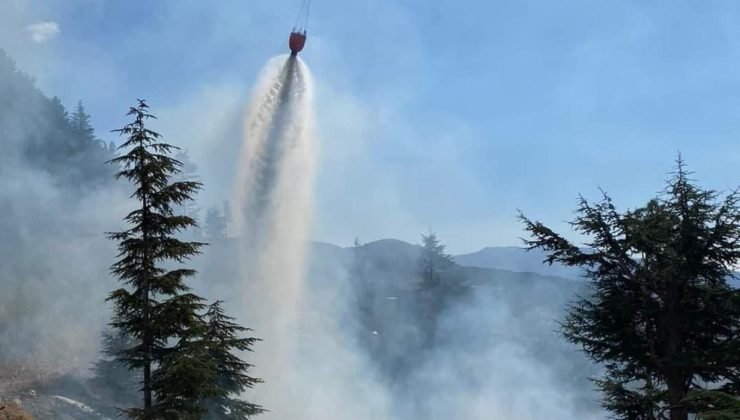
x=155, y=306
x=190, y=208
x=433, y=262
x=80, y=122
x=215, y=224
x=662, y=318
x=438, y=282
x=223, y=341
x=185, y=372
x=226, y=210
x=114, y=384
x=714, y=405
x=365, y=293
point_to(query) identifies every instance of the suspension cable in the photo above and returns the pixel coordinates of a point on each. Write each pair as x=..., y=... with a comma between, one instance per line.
x=301, y=21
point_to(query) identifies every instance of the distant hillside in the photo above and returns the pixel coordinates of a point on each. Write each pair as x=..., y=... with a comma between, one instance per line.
x=389, y=252
x=492, y=309
x=389, y=284
x=56, y=197
x=402, y=255
x=396, y=260
x=391, y=265
x=515, y=259
x=37, y=132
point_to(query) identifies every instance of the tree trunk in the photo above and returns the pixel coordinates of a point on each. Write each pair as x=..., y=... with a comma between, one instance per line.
x=147, y=341
x=147, y=338
x=676, y=396
x=147, y=389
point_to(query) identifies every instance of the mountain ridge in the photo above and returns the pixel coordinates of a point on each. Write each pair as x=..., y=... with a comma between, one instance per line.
x=507, y=258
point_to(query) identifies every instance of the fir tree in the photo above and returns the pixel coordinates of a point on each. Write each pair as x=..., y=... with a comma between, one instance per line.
x=227, y=217
x=115, y=385
x=215, y=224
x=364, y=290
x=661, y=319
x=188, y=172
x=714, y=405
x=223, y=340
x=80, y=122
x=186, y=372
x=435, y=283
x=433, y=262
x=365, y=294
x=155, y=306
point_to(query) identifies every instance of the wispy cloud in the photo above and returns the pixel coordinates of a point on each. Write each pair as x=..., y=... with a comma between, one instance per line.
x=43, y=31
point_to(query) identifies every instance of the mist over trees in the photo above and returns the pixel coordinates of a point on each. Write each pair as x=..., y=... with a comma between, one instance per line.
x=53, y=183
x=44, y=135
x=59, y=163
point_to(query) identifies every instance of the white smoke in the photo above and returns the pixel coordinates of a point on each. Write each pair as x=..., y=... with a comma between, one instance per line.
x=312, y=366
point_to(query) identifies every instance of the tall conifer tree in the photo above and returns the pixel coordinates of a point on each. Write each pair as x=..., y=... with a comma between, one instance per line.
x=80, y=122
x=155, y=306
x=435, y=283
x=662, y=318
x=433, y=262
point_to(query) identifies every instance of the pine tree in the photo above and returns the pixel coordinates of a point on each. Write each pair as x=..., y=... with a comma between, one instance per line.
x=57, y=114
x=436, y=280
x=188, y=172
x=714, y=405
x=186, y=372
x=227, y=217
x=215, y=224
x=223, y=339
x=433, y=262
x=155, y=306
x=113, y=382
x=662, y=318
x=365, y=293
x=80, y=122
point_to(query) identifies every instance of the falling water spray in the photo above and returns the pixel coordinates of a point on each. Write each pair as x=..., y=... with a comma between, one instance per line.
x=274, y=198
x=310, y=372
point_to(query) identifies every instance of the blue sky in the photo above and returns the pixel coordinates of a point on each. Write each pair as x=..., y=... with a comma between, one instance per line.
x=435, y=114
